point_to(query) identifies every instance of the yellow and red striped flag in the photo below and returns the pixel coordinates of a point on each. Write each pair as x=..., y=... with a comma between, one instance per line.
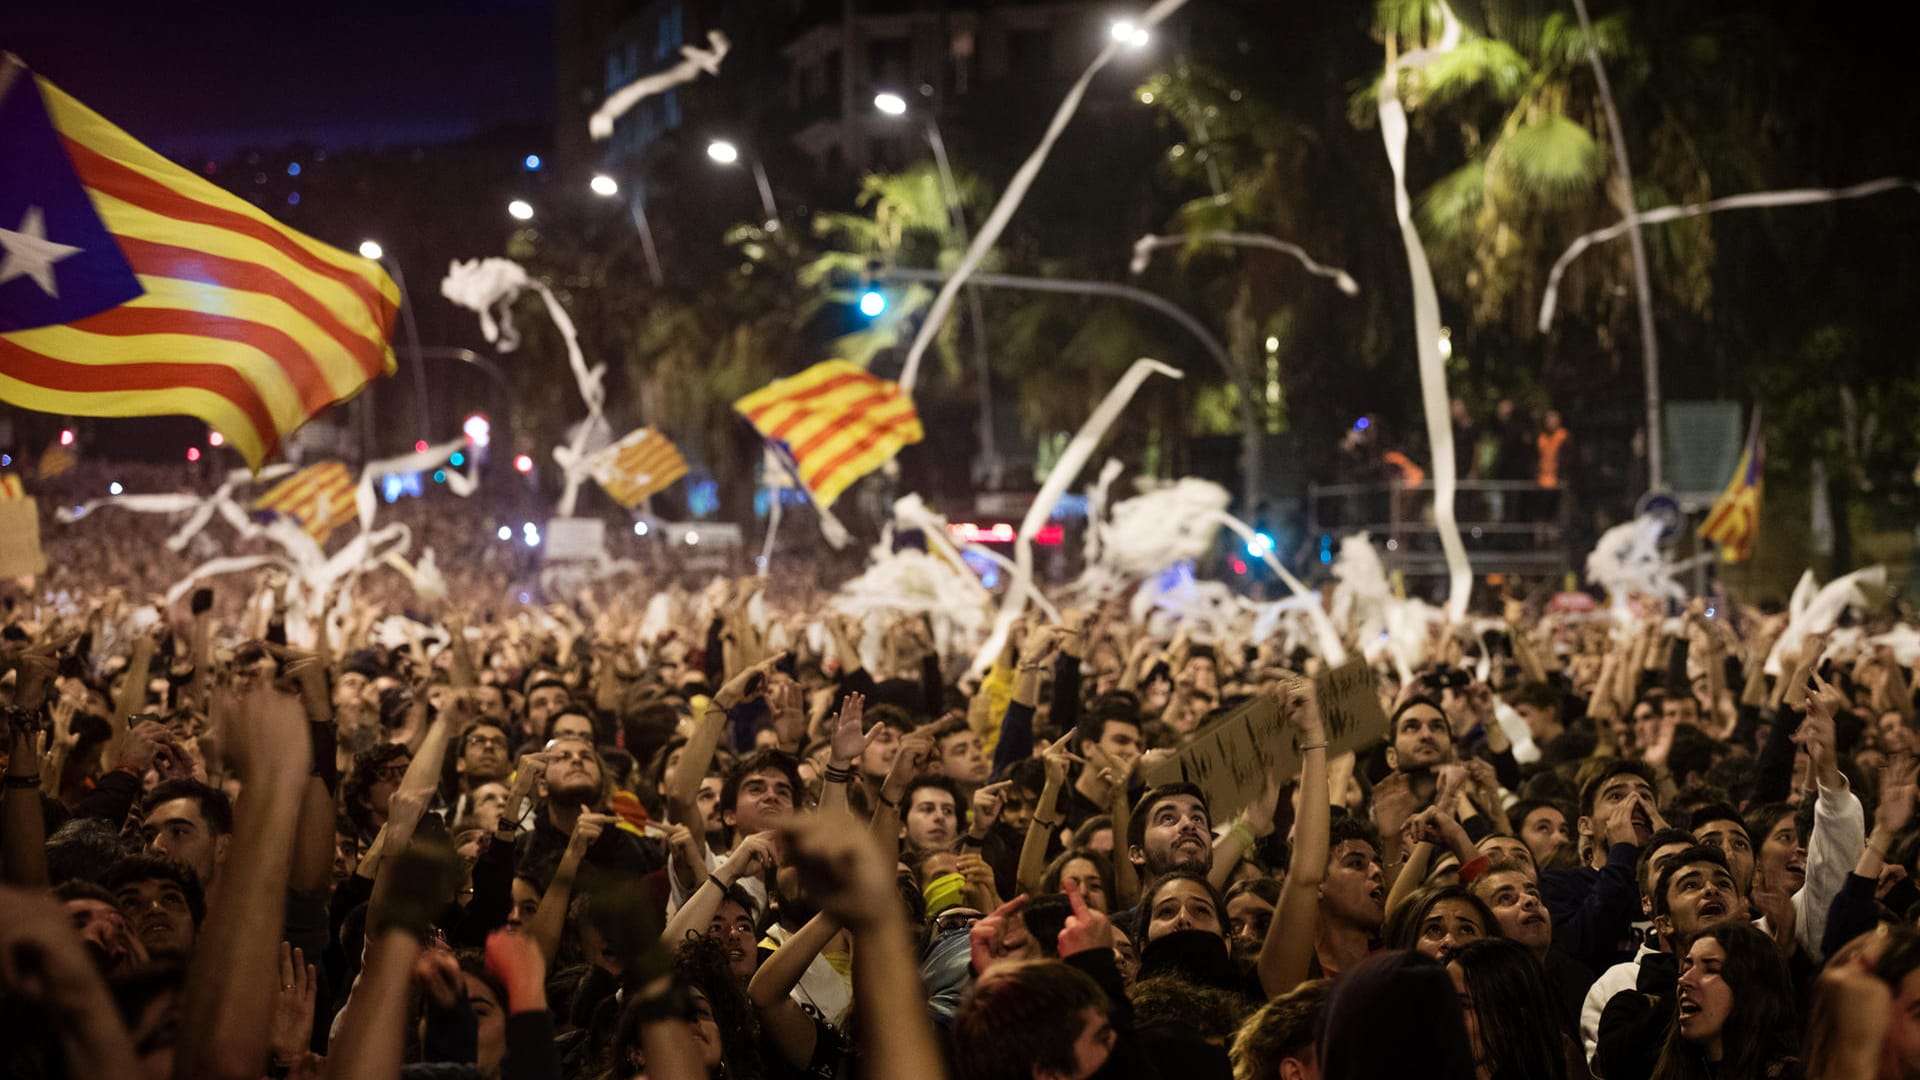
x=1734, y=521
x=639, y=465
x=131, y=287
x=11, y=490
x=836, y=421
x=319, y=497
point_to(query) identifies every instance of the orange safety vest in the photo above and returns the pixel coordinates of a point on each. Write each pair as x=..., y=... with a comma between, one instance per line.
x=1549, y=444
x=1411, y=475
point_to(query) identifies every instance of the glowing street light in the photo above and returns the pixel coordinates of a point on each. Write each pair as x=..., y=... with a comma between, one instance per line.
x=523, y=463
x=478, y=429
x=1129, y=33
x=723, y=151
x=371, y=249
x=214, y=438
x=872, y=303
x=521, y=210
x=891, y=104
x=66, y=436
x=604, y=186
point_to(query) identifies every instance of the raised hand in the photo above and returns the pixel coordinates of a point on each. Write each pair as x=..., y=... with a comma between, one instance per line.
x=293, y=1008
x=1086, y=929
x=843, y=868
x=748, y=684
x=588, y=828
x=849, y=740
x=1896, y=796
x=994, y=936
x=981, y=889
x=987, y=804
x=753, y=856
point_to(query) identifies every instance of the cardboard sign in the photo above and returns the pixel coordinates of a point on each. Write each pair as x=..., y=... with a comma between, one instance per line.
x=1231, y=758
x=575, y=540
x=20, y=552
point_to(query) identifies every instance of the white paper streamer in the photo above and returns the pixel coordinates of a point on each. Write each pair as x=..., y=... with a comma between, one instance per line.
x=1426, y=320
x=1065, y=472
x=1144, y=248
x=697, y=61
x=911, y=512
x=484, y=285
x=1627, y=560
x=1749, y=201
x=461, y=484
x=1016, y=190
x=1331, y=649
x=1097, y=509
x=1904, y=640
x=1815, y=611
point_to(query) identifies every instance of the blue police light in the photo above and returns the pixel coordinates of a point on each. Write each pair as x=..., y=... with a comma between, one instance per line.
x=872, y=303
x=532, y=162
x=1362, y=424
x=1259, y=545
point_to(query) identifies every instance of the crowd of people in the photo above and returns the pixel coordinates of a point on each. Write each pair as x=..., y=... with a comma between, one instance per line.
x=650, y=830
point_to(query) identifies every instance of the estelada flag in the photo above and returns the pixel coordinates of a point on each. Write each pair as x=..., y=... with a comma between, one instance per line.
x=1734, y=521
x=131, y=287
x=836, y=421
x=11, y=490
x=319, y=497
x=642, y=463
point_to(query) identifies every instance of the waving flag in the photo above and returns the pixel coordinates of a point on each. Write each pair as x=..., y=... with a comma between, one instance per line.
x=639, y=465
x=1734, y=521
x=11, y=489
x=319, y=497
x=132, y=287
x=836, y=421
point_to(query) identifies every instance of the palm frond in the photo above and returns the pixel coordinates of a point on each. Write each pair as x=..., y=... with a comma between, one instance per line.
x=1550, y=161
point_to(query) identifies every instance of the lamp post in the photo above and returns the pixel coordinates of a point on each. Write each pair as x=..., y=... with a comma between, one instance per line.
x=607, y=187
x=725, y=153
x=371, y=249
x=894, y=105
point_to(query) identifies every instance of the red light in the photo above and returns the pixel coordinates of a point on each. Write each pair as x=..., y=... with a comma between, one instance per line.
x=968, y=532
x=216, y=439
x=420, y=447
x=66, y=437
x=193, y=453
x=523, y=463
x=1238, y=566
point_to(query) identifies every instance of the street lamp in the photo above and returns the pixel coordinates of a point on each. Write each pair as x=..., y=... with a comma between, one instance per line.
x=371, y=249
x=725, y=153
x=521, y=210
x=1129, y=33
x=604, y=186
x=895, y=105
x=607, y=187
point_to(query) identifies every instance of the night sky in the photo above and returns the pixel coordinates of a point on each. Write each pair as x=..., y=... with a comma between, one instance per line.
x=215, y=75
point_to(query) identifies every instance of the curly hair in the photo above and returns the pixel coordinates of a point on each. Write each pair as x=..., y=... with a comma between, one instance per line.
x=701, y=964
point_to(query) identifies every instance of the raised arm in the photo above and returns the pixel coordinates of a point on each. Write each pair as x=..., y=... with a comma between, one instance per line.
x=852, y=879
x=227, y=1006
x=787, y=1025
x=550, y=918
x=1046, y=817
x=1287, y=953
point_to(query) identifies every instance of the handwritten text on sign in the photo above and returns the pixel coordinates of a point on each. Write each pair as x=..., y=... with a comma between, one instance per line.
x=1231, y=758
